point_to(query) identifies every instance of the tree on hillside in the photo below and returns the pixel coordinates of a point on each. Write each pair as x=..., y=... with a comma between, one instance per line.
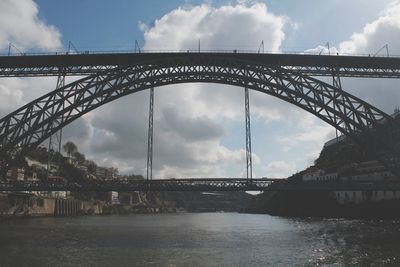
x=91, y=166
x=70, y=148
x=79, y=157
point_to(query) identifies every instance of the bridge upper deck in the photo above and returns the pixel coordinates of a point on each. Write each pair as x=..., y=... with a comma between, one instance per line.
x=87, y=63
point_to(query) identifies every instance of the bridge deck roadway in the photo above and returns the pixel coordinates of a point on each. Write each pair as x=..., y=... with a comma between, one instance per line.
x=198, y=185
x=88, y=63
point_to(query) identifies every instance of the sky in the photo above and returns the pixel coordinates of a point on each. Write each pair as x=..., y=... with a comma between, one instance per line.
x=200, y=128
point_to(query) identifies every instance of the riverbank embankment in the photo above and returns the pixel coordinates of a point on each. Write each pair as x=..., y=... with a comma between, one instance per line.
x=322, y=204
x=21, y=204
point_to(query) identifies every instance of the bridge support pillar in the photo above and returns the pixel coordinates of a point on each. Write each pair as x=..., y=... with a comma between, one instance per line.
x=249, y=164
x=150, y=137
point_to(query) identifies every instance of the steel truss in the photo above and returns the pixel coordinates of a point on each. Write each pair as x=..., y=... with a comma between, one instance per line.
x=193, y=184
x=87, y=64
x=30, y=125
x=307, y=70
x=55, y=140
x=337, y=83
x=216, y=184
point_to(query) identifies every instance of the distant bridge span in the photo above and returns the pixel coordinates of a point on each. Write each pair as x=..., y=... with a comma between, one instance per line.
x=288, y=77
x=201, y=185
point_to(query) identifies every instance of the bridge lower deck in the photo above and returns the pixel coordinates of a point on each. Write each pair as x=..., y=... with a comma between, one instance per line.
x=198, y=185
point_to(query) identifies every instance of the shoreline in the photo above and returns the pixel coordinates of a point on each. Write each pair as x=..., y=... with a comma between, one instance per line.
x=323, y=205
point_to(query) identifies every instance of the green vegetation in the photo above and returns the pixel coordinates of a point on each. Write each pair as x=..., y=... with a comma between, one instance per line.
x=70, y=148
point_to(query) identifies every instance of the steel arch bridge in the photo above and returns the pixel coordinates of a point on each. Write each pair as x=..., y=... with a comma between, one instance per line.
x=288, y=77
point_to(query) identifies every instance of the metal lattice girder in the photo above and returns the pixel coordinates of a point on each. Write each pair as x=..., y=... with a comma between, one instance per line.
x=187, y=184
x=86, y=64
x=196, y=184
x=31, y=124
x=337, y=83
x=55, y=139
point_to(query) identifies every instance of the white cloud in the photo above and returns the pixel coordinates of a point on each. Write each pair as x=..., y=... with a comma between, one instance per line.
x=322, y=50
x=239, y=26
x=280, y=169
x=384, y=30
x=375, y=35
x=315, y=135
x=384, y=94
x=10, y=97
x=20, y=25
x=15, y=92
x=189, y=119
x=306, y=142
x=190, y=128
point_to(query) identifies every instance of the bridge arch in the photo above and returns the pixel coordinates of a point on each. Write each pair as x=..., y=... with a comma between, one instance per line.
x=31, y=124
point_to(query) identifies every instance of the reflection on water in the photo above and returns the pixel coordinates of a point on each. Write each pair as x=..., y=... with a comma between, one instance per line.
x=197, y=239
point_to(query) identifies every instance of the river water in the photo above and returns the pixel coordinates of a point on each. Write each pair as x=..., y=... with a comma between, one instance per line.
x=198, y=239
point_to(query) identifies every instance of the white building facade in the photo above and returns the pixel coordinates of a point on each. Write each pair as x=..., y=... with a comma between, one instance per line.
x=357, y=197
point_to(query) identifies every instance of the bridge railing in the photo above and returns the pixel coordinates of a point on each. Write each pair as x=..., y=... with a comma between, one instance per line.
x=140, y=185
x=228, y=51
